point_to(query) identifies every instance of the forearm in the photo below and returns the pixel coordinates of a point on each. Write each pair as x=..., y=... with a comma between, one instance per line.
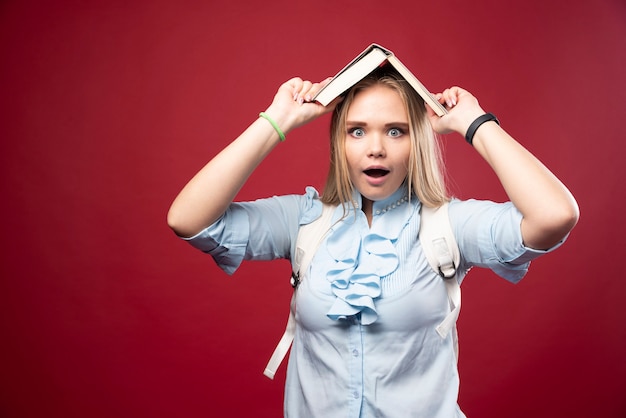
x=207, y=195
x=549, y=210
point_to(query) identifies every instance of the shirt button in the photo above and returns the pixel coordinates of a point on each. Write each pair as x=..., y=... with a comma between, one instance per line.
x=355, y=394
x=355, y=353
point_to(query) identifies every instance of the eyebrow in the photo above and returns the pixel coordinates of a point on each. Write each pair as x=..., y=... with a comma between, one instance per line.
x=387, y=125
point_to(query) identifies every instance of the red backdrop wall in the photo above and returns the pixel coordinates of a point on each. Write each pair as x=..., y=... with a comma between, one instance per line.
x=108, y=108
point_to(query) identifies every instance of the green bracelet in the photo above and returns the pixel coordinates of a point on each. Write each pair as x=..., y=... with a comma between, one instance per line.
x=281, y=134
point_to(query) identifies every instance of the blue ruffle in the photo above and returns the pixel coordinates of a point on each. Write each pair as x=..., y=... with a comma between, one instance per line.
x=312, y=206
x=363, y=257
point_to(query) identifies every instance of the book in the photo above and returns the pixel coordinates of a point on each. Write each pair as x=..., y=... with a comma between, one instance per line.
x=360, y=67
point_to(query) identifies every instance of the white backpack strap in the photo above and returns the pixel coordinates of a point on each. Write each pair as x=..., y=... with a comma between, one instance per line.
x=285, y=342
x=309, y=238
x=442, y=252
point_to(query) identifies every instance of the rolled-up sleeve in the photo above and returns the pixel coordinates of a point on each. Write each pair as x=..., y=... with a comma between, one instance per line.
x=264, y=229
x=489, y=235
x=226, y=240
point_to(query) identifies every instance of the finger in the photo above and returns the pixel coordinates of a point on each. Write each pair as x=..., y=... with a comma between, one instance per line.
x=456, y=94
x=304, y=91
x=295, y=85
x=448, y=97
x=444, y=98
x=315, y=89
x=323, y=83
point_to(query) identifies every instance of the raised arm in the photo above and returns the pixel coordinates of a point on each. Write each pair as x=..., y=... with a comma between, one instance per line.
x=549, y=210
x=207, y=195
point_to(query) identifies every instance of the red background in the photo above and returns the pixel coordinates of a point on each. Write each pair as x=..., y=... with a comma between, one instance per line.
x=108, y=108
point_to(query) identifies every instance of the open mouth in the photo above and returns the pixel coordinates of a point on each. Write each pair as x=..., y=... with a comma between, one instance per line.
x=376, y=172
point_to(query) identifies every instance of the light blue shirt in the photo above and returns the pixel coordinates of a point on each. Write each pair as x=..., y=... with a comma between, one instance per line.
x=365, y=342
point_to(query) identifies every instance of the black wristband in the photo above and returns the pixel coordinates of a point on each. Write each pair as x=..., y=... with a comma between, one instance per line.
x=487, y=117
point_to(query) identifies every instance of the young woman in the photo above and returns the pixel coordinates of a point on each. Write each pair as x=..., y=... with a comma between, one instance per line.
x=365, y=342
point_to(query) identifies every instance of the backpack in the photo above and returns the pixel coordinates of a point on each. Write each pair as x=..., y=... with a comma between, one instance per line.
x=440, y=248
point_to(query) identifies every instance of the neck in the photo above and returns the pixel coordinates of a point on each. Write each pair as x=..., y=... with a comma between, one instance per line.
x=366, y=207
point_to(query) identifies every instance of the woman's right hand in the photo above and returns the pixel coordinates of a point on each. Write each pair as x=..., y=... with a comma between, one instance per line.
x=207, y=195
x=293, y=104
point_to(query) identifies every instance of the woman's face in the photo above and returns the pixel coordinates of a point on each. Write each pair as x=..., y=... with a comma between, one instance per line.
x=377, y=142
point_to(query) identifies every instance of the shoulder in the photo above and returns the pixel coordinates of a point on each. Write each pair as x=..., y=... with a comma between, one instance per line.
x=311, y=206
x=306, y=207
x=461, y=211
x=485, y=224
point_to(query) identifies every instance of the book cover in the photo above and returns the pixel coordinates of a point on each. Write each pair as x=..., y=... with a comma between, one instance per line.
x=367, y=61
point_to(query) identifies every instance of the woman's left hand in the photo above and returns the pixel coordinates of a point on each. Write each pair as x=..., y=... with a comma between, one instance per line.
x=548, y=208
x=463, y=109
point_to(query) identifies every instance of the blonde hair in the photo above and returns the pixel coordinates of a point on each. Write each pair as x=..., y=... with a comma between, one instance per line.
x=425, y=178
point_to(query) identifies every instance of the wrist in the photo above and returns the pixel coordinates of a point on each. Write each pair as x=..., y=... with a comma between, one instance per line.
x=283, y=119
x=274, y=124
x=477, y=123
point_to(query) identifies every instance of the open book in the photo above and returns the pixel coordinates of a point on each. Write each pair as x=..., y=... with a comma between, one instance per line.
x=373, y=57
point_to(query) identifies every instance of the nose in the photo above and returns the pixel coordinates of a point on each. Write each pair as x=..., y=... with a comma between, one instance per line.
x=376, y=146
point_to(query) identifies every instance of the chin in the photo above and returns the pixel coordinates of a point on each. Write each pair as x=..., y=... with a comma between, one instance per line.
x=375, y=197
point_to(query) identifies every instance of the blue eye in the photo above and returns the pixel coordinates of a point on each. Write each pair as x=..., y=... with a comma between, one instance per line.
x=395, y=132
x=357, y=132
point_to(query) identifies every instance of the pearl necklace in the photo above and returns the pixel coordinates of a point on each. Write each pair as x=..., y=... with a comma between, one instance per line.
x=392, y=206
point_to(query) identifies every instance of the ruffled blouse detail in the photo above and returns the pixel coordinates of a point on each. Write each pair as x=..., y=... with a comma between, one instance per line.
x=312, y=206
x=363, y=256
